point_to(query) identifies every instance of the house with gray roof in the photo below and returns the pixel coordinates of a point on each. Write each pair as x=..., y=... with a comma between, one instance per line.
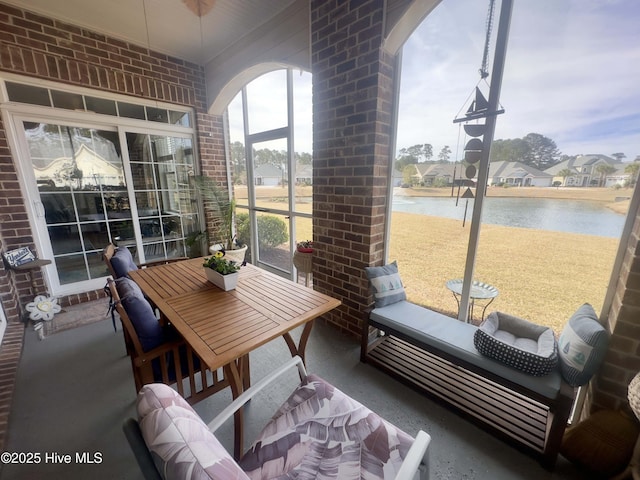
x=429, y=174
x=584, y=170
x=517, y=174
x=268, y=175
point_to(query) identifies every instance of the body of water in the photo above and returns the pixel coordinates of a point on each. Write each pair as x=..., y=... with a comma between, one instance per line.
x=574, y=216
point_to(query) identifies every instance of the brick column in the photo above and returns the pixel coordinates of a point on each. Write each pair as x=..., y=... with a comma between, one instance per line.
x=622, y=363
x=352, y=116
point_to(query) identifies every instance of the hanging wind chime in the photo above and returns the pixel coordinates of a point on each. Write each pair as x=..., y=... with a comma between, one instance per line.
x=483, y=112
x=479, y=109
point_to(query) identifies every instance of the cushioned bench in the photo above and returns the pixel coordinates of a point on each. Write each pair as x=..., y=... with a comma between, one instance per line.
x=436, y=354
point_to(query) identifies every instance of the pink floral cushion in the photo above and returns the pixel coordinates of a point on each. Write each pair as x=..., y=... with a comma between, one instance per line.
x=181, y=444
x=320, y=432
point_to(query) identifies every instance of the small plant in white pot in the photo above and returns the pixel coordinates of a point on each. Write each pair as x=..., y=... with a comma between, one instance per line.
x=222, y=272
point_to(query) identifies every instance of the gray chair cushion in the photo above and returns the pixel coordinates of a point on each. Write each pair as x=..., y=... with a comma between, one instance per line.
x=122, y=262
x=518, y=343
x=149, y=331
x=386, y=284
x=582, y=346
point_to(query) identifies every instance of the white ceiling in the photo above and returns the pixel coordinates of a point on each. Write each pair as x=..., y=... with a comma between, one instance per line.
x=169, y=26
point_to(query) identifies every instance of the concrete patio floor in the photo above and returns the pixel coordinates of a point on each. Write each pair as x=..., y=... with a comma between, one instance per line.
x=75, y=388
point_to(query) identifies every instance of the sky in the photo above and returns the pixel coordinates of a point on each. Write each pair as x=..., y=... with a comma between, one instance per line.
x=572, y=74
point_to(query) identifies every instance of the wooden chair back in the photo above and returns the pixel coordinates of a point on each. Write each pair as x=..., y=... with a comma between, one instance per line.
x=173, y=363
x=107, y=253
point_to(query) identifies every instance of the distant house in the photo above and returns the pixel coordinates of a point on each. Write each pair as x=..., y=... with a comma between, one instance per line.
x=618, y=178
x=517, y=174
x=304, y=174
x=583, y=170
x=428, y=174
x=268, y=175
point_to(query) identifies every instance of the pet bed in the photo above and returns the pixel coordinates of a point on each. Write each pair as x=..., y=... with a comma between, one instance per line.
x=518, y=343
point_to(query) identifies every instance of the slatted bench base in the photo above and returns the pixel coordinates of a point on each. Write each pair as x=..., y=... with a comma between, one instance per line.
x=510, y=413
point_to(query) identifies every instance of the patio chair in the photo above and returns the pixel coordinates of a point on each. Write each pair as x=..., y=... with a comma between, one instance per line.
x=120, y=262
x=319, y=430
x=158, y=353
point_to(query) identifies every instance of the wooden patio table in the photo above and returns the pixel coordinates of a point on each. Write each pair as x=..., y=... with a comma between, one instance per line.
x=224, y=327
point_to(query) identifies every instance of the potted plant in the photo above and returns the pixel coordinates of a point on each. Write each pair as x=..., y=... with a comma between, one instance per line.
x=221, y=271
x=220, y=214
x=305, y=247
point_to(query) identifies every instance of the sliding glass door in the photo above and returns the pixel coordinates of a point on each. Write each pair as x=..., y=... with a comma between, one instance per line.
x=90, y=186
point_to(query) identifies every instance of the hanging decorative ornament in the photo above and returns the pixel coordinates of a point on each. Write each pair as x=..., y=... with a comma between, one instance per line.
x=478, y=109
x=483, y=112
x=41, y=310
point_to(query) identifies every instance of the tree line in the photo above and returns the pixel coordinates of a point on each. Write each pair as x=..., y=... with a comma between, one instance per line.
x=534, y=150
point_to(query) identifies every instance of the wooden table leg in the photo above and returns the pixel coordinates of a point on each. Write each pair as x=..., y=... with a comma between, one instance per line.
x=302, y=345
x=235, y=381
x=245, y=372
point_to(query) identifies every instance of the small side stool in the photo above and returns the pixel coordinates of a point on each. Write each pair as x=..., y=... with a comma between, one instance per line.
x=304, y=263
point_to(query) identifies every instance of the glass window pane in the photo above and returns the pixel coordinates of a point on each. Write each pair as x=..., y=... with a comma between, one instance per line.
x=150, y=229
x=97, y=267
x=147, y=203
x=117, y=204
x=71, y=269
x=58, y=207
x=273, y=241
x=238, y=160
x=270, y=163
x=130, y=110
x=95, y=235
x=154, y=251
x=101, y=105
x=122, y=231
x=143, y=178
x=28, y=94
x=157, y=115
x=90, y=206
x=180, y=118
x=171, y=227
x=267, y=112
x=176, y=249
x=65, y=239
x=70, y=101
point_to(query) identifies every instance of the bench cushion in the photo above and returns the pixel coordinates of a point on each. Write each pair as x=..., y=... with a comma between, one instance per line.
x=181, y=444
x=518, y=343
x=453, y=337
x=320, y=432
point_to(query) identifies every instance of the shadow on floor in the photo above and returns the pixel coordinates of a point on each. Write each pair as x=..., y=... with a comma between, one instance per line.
x=75, y=388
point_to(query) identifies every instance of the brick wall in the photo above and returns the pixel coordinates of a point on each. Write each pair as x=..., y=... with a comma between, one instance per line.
x=622, y=363
x=37, y=46
x=352, y=97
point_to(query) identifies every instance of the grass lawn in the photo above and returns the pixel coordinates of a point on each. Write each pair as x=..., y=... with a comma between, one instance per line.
x=542, y=276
